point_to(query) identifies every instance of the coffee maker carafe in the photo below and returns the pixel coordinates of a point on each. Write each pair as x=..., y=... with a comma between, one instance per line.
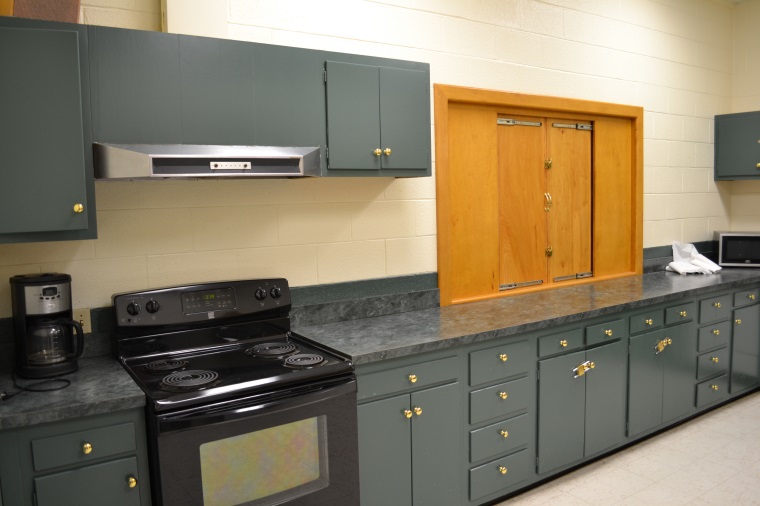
x=48, y=341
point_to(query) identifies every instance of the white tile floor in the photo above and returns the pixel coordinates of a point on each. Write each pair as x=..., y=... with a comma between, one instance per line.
x=713, y=459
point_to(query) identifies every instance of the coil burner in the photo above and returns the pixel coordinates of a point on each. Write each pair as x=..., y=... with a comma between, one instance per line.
x=272, y=350
x=182, y=381
x=168, y=365
x=304, y=361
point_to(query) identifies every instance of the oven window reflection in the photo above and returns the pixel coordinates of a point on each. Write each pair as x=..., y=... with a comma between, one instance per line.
x=266, y=466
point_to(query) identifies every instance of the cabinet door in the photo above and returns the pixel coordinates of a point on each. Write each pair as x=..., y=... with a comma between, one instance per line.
x=737, y=152
x=605, y=397
x=561, y=412
x=41, y=132
x=94, y=485
x=745, y=354
x=645, y=373
x=404, y=118
x=385, y=455
x=680, y=371
x=353, y=116
x=436, y=451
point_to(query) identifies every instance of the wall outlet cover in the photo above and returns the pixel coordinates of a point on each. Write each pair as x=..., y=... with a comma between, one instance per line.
x=83, y=317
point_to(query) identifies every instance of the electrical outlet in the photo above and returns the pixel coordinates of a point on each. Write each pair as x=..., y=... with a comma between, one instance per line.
x=83, y=317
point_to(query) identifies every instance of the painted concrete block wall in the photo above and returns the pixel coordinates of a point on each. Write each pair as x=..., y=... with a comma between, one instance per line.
x=673, y=57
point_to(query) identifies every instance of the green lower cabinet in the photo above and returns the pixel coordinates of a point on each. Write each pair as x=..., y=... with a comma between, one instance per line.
x=581, y=409
x=745, y=353
x=402, y=459
x=113, y=483
x=499, y=474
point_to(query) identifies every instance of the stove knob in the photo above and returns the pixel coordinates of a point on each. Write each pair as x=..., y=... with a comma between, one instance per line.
x=133, y=308
x=275, y=292
x=152, y=306
x=261, y=294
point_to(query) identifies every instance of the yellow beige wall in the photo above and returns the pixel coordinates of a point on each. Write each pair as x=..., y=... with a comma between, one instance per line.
x=673, y=57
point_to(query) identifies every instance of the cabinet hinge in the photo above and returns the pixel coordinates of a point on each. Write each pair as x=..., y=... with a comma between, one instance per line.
x=324, y=75
x=512, y=286
x=538, y=374
x=514, y=122
x=578, y=275
x=327, y=153
x=577, y=126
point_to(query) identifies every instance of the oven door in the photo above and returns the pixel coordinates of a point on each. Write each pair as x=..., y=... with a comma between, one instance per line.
x=298, y=446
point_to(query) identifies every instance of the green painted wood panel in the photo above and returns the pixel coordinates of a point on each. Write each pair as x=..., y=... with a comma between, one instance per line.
x=717, y=307
x=737, y=151
x=405, y=378
x=437, y=454
x=605, y=397
x=745, y=353
x=561, y=342
x=711, y=363
x=645, y=376
x=217, y=91
x=680, y=313
x=680, y=368
x=489, y=478
x=353, y=116
x=561, y=411
x=499, y=362
x=488, y=403
x=651, y=319
x=136, y=90
x=711, y=391
x=41, y=132
x=714, y=336
x=66, y=449
x=491, y=440
x=94, y=485
x=405, y=118
x=603, y=332
x=385, y=452
x=746, y=297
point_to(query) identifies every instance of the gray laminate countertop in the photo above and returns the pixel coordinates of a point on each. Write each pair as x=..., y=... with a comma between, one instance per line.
x=101, y=385
x=403, y=334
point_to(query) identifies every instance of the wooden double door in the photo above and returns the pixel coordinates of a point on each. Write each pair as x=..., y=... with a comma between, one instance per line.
x=545, y=200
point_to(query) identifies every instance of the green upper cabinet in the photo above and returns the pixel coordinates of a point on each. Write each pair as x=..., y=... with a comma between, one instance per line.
x=737, y=146
x=378, y=119
x=47, y=188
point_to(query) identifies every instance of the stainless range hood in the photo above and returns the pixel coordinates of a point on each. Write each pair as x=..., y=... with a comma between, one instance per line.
x=163, y=161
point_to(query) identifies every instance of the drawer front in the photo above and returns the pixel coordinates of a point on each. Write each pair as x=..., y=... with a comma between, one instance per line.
x=563, y=341
x=680, y=313
x=642, y=322
x=712, y=362
x=499, y=362
x=407, y=378
x=714, y=308
x=498, y=400
x=746, y=297
x=98, y=484
x=605, y=332
x=499, y=438
x=714, y=336
x=72, y=448
x=713, y=390
x=500, y=474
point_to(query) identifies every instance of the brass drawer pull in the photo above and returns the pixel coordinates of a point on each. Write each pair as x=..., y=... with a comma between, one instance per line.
x=683, y=314
x=714, y=387
x=417, y=410
x=716, y=332
x=413, y=378
x=738, y=322
x=407, y=413
x=502, y=470
x=716, y=304
x=751, y=296
x=503, y=357
x=649, y=321
x=377, y=152
x=132, y=482
x=563, y=343
x=504, y=433
x=387, y=151
x=87, y=448
x=608, y=332
x=503, y=395
x=78, y=208
x=715, y=359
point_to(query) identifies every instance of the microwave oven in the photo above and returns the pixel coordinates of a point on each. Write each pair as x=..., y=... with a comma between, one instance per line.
x=738, y=249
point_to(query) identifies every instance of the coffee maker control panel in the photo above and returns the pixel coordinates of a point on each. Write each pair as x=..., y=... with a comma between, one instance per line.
x=47, y=299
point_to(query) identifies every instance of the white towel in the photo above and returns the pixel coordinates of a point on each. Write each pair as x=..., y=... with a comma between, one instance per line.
x=686, y=260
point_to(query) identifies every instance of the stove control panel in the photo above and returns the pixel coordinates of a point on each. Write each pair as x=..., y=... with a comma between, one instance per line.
x=207, y=301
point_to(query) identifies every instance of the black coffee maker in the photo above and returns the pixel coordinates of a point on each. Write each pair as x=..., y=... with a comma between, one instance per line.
x=48, y=341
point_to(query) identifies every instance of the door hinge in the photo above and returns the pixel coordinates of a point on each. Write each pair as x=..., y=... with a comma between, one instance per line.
x=514, y=122
x=577, y=126
x=578, y=275
x=512, y=286
x=324, y=75
x=538, y=374
x=327, y=153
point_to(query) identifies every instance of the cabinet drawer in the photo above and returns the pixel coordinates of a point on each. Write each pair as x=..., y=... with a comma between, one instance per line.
x=712, y=390
x=70, y=448
x=714, y=335
x=712, y=362
x=407, y=377
x=604, y=332
x=648, y=320
x=498, y=362
x=746, y=297
x=499, y=438
x=714, y=308
x=106, y=483
x=680, y=313
x=563, y=341
x=499, y=474
x=498, y=400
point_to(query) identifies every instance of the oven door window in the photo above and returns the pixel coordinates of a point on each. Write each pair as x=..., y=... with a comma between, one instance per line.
x=268, y=466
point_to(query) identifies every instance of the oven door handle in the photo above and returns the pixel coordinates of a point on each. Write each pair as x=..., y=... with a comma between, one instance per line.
x=251, y=406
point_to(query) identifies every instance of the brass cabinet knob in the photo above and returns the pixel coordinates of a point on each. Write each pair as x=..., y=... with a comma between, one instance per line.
x=377, y=152
x=417, y=410
x=563, y=343
x=407, y=413
x=649, y=321
x=758, y=165
x=716, y=332
x=387, y=151
x=683, y=314
x=715, y=359
x=716, y=304
x=503, y=357
x=662, y=345
x=608, y=332
x=738, y=322
x=668, y=340
x=503, y=395
x=78, y=208
x=504, y=433
x=87, y=448
x=714, y=387
x=751, y=296
x=132, y=482
x=502, y=470
x=413, y=378
x=591, y=365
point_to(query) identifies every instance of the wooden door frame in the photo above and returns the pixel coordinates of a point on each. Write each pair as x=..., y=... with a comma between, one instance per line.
x=537, y=105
